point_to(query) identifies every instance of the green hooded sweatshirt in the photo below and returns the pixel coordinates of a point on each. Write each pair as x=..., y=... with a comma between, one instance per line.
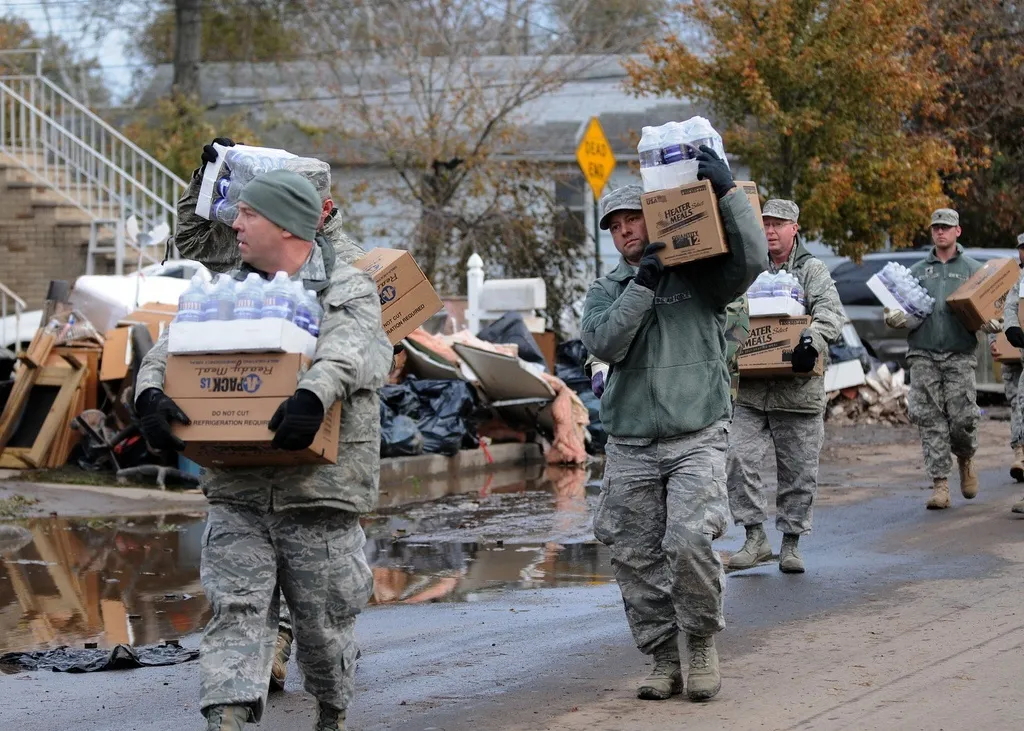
x=942, y=331
x=667, y=348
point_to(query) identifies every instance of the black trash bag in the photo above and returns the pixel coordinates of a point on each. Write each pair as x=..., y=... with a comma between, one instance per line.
x=401, y=399
x=90, y=660
x=570, y=365
x=511, y=329
x=399, y=436
x=446, y=410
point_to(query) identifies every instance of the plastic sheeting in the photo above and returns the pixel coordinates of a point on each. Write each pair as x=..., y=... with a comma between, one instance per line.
x=90, y=660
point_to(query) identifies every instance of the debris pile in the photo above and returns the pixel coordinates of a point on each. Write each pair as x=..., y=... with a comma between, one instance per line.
x=881, y=400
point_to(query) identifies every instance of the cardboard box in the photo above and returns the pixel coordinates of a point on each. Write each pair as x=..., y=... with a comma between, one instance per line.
x=407, y=299
x=116, y=354
x=1004, y=352
x=155, y=316
x=981, y=297
x=236, y=375
x=768, y=351
x=233, y=432
x=687, y=219
x=230, y=399
x=268, y=335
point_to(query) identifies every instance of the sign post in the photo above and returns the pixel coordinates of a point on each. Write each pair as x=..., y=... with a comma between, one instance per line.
x=596, y=161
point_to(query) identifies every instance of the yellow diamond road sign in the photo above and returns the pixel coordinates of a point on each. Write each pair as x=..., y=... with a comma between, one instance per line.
x=595, y=157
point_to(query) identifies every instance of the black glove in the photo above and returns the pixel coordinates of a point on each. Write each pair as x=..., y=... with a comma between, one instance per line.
x=711, y=167
x=156, y=411
x=804, y=355
x=648, y=274
x=297, y=420
x=1016, y=336
x=210, y=152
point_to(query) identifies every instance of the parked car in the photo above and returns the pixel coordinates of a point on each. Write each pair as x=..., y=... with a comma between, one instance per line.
x=865, y=312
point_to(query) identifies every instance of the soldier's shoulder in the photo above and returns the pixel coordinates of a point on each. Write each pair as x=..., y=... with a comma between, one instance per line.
x=345, y=247
x=348, y=282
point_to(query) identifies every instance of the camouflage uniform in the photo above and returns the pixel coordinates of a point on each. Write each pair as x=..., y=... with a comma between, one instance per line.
x=213, y=243
x=943, y=404
x=786, y=414
x=296, y=528
x=1012, y=372
x=943, y=356
x=737, y=329
x=662, y=504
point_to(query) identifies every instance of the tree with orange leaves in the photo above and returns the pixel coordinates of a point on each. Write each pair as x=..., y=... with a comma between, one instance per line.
x=817, y=97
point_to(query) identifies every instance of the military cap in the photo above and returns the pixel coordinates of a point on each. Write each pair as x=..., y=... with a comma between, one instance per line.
x=945, y=217
x=781, y=208
x=1020, y=240
x=626, y=198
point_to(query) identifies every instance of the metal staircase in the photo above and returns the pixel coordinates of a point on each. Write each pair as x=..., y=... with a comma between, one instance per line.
x=90, y=165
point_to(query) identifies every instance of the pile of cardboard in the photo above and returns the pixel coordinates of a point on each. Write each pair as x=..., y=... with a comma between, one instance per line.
x=881, y=400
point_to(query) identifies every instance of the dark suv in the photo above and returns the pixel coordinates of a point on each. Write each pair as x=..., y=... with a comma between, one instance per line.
x=865, y=312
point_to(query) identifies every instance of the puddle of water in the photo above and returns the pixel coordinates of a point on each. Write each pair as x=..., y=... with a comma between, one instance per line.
x=136, y=580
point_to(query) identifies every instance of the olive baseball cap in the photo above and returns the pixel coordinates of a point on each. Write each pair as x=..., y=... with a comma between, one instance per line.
x=626, y=198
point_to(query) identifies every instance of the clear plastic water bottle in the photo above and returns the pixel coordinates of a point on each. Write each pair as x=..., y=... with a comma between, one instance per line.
x=220, y=305
x=249, y=298
x=649, y=151
x=316, y=313
x=279, y=298
x=192, y=302
x=302, y=312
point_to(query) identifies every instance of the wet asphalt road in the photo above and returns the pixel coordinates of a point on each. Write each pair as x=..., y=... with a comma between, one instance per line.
x=528, y=654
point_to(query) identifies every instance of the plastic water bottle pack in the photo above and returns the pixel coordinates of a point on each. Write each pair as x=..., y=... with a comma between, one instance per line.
x=668, y=153
x=779, y=284
x=251, y=299
x=905, y=287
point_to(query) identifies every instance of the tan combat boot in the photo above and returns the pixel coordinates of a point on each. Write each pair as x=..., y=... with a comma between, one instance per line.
x=1018, y=507
x=755, y=549
x=1017, y=470
x=704, y=680
x=226, y=718
x=968, y=477
x=329, y=718
x=940, y=495
x=790, y=560
x=282, y=652
x=666, y=679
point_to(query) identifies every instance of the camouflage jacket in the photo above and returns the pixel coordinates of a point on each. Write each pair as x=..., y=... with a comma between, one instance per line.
x=213, y=243
x=800, y=394
x=737, y=329
x=352, y=360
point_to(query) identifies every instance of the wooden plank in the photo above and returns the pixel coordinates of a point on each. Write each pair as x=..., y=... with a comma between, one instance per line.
x=39, y=349
x=10, y=460
x=55, y=418
x=23, y=384
x=89, y=358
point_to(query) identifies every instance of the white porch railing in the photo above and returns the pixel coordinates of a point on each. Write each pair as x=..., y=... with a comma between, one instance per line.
x=67, y=147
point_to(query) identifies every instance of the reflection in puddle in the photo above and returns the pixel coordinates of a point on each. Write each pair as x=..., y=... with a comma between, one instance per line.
x=136, y=580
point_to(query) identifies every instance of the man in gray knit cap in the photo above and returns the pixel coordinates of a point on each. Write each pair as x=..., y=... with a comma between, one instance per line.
x=213, y=245
x=289, y=530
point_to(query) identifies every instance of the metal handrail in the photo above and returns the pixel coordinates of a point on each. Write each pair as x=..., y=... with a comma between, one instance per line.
x=66, y=146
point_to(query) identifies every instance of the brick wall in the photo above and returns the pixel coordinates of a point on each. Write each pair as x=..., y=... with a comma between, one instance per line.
x=35, y=246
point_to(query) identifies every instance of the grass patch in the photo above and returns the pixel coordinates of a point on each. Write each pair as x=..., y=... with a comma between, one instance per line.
x=15, y=507
x=68, y=475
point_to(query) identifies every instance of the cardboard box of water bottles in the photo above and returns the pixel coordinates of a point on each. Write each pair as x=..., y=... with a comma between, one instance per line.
x=768, y=350
x=688, y=221
x=407, y=299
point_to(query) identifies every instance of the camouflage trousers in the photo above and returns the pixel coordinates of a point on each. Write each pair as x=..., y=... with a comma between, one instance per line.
x=943, y=404
x=796, y=440
x=314, y=558
x=661, y=506
x=1012, y=373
